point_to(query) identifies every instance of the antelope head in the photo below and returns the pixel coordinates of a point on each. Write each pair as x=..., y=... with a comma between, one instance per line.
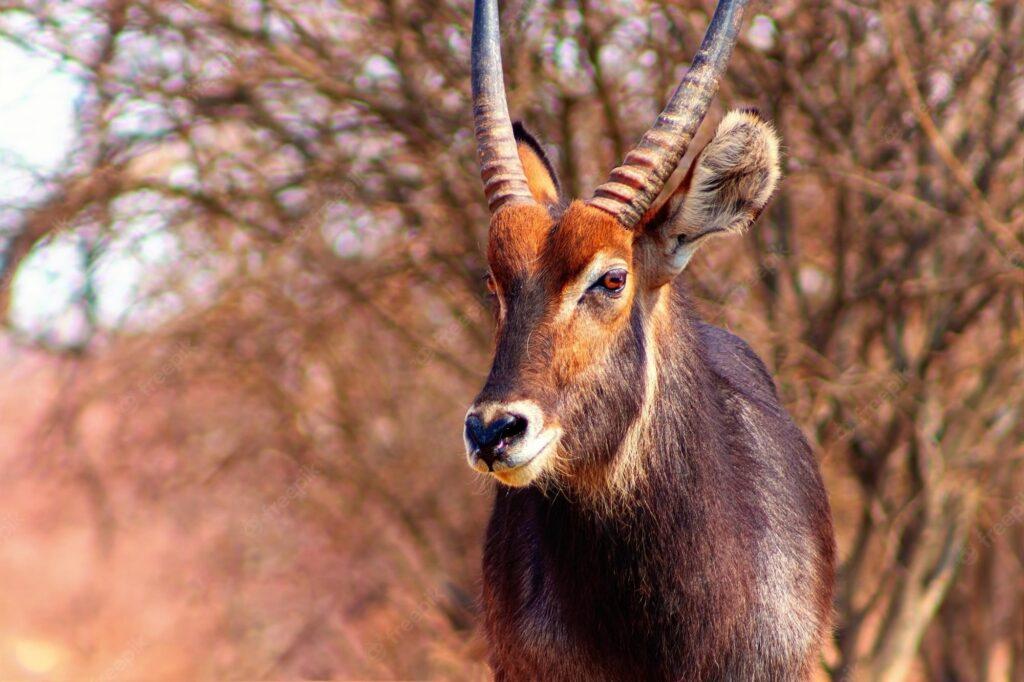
x=579, y=288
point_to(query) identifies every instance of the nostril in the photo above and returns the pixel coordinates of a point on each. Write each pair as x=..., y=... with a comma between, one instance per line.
x=503, y=431
x=514, y=426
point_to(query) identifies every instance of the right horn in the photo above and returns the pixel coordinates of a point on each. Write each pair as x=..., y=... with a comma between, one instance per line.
x=500, y=167
x=632, y=187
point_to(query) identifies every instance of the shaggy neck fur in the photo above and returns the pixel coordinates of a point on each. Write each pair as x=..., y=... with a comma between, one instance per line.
x=650, y=387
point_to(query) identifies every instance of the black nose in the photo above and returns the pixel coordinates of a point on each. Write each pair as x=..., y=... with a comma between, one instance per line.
x=490, y=441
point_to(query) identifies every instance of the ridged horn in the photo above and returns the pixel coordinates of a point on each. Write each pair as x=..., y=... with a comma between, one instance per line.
x=633, y=186
x=500, y=168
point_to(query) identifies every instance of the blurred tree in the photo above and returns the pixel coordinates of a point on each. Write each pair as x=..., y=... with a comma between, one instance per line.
x=307, y=348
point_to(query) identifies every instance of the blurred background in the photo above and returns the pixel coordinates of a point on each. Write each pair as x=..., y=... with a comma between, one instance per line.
x=241, y=251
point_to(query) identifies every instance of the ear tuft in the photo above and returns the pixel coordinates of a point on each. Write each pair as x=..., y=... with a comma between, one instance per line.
x=751, y=111
x=726, y=188
x=540, y=174
x=736, y=175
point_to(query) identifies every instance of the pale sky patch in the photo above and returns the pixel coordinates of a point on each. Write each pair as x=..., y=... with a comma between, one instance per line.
x=37, y=132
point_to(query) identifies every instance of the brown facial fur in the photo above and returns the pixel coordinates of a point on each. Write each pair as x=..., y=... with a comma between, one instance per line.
x=548, y=339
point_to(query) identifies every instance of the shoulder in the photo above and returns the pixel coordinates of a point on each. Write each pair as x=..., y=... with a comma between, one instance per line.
x=736, y=363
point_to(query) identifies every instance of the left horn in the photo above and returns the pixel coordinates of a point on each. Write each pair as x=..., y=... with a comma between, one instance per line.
x=500, y=167
x=632, y=187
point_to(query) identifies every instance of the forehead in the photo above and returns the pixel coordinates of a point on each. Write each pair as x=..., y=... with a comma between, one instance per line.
x=525, y=241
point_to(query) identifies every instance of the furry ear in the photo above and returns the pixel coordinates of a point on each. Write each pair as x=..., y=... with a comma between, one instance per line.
x=725, y=190
x=540, y=174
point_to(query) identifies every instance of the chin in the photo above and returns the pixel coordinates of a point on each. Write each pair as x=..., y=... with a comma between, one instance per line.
x=521, y=476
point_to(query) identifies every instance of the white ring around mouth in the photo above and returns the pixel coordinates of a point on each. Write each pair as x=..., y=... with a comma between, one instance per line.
x=514, y=475
x=481, y=466
x=535, y=455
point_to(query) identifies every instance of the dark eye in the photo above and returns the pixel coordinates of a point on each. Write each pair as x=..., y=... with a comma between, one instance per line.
x=492, y=288
x=613, y=281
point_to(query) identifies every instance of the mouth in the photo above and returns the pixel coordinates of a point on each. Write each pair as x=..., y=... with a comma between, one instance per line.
x=522, y=473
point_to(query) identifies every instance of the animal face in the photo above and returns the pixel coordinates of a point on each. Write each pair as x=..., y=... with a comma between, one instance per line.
x=579, y=291
x=563, y=293
x=576, y=298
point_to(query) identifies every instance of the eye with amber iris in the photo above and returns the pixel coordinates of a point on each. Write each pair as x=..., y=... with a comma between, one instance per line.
x=612, y=282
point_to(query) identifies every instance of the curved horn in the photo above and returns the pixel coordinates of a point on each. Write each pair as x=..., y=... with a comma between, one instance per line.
x=500, y=168
x=633, y=186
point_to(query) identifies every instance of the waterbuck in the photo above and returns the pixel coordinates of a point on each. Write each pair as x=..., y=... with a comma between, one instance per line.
x=659, y=516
